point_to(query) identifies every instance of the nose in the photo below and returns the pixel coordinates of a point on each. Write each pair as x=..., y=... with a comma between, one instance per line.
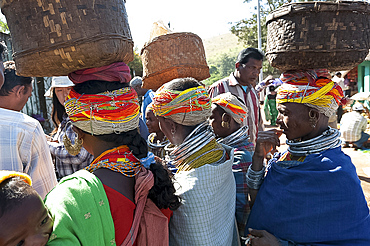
x=38, y=240
x=279, y=119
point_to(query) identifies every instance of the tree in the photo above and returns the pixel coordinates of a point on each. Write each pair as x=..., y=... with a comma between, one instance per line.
x=136, y=66
x=221, y=67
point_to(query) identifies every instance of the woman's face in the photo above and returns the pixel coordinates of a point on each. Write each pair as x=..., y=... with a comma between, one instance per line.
x=215, y=120
x=294, y=120
x=62, y=93
x=27, y=224
x=151, y=121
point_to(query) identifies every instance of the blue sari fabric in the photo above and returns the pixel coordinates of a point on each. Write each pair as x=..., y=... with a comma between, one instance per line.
x=318, y=202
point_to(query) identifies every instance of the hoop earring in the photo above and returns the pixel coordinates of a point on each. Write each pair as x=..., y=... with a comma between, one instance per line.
x=312, y=119
x=225, y=124
x=72, y=149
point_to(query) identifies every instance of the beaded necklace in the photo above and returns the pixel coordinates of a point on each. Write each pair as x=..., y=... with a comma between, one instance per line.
x=158, y=147
x=199, y=148
x=119, y=159
x=236, y=137
x=329, y=139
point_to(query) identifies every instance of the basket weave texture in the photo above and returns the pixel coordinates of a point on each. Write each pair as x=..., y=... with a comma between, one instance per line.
x=310, y=35
x=171, y=56
x=56, y=37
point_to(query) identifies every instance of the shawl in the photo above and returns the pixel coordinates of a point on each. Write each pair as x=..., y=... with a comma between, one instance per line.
x=318, y=201
x=207, y=216
x=118, y=71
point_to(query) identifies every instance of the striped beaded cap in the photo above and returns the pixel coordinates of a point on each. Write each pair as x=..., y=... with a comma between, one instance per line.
x=232, y=106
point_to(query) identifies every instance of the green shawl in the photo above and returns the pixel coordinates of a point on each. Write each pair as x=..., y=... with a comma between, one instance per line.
x=80, y=208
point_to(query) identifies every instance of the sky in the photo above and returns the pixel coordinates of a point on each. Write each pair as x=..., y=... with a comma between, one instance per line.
x=206, y=18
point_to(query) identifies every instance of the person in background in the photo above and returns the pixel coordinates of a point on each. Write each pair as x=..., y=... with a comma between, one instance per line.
x=304, y=196
x=156, y=139
x=24, y=219
x=2, y=69
x=353, y=126
x=271, y=112
x=114, y=200
x=146, y=94
x=203, y=166
x=23, y=146
x=340, y=81
x=228, y=114
x=241, y=83
x=65, y=162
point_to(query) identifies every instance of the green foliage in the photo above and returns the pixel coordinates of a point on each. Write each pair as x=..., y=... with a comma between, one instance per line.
x=220, y=67
x=136, y=65
x=4, y=27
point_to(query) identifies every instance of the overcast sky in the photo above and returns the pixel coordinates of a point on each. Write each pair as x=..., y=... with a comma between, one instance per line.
x=206, y=18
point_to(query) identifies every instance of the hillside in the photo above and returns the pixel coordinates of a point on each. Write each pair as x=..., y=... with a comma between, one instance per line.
x=225, y=43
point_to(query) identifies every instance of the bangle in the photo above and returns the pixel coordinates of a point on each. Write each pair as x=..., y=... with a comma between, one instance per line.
x=255, y=178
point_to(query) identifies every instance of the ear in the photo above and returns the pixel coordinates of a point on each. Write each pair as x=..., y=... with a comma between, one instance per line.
x=79, y=132
x=171, y=124
x=226, y=117
x=313, y=113
x=237, y=65
x=19, y=90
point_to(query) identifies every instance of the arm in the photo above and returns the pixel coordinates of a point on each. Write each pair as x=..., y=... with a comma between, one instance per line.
x=266, y=141
x=41, y=166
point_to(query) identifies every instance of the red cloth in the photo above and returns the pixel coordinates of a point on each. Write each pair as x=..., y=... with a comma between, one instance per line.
x=122, y=210
x=118, y=71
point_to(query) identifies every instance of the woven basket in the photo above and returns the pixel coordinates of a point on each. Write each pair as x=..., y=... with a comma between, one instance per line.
x=310, y=35
x=171, y=56
x=56, y=37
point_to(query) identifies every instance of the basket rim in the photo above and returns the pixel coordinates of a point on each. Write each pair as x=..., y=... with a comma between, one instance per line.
x=168, y=36
x=172, y=67
x=291, y=8
x=316, y=51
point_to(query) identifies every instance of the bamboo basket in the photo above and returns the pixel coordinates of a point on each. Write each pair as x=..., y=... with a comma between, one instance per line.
x=310, y=35
x=56, y=37
x=171, y=56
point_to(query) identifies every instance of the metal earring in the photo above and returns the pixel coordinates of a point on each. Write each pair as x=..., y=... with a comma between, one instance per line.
x=72, y=149
x=312, y=119
x=173, y=131
x=225, y=124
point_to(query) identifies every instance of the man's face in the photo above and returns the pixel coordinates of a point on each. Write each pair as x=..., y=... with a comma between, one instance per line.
x=247, y=74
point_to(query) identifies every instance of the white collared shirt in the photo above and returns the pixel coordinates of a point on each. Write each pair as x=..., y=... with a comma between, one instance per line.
x=23, y=148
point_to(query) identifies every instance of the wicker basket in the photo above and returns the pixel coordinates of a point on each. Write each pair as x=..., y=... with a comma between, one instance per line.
x=171, y=56
x=310, y=35
x=56, y=37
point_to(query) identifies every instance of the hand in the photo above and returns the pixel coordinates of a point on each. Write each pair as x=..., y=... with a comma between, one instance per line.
x=262, y=238
x=50, y=139
x=267, y=142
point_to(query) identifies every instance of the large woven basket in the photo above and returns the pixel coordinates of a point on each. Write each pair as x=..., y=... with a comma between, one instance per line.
x=171, y=56
x=310, y=35
x=56, y=37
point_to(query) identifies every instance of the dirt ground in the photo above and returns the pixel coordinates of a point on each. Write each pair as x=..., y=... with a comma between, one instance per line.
x=360, y=160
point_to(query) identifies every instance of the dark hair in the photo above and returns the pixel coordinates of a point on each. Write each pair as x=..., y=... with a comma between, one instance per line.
x=182, y=84
x=244, y=55
x=163, y=191
x=2, y=49
x=58, y=110
x=338, y=74
x=11, y=79
x=12, y=192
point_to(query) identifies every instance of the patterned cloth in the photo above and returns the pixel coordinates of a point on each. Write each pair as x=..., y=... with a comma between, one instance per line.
x=315, y=202
x=250, y=98
x=118, y=71
x=351, y=126
x=23, y=148
x=232, y=106
x=190, y=107
x=207, y=216
x=313, y=88
x=104, y=113
x=66, y=163
x=243, y=153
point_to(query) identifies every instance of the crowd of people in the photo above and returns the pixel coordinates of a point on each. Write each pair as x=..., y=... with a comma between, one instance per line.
x=186, y=166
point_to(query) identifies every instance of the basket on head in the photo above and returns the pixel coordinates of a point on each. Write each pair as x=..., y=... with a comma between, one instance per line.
x=310, y=35
x=171, y=56
x=56, y=37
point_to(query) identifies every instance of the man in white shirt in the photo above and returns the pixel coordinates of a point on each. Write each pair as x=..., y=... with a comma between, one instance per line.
x=23, y=145
x=353, y=126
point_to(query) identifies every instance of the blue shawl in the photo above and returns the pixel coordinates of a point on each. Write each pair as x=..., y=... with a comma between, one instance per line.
x=318, y=202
